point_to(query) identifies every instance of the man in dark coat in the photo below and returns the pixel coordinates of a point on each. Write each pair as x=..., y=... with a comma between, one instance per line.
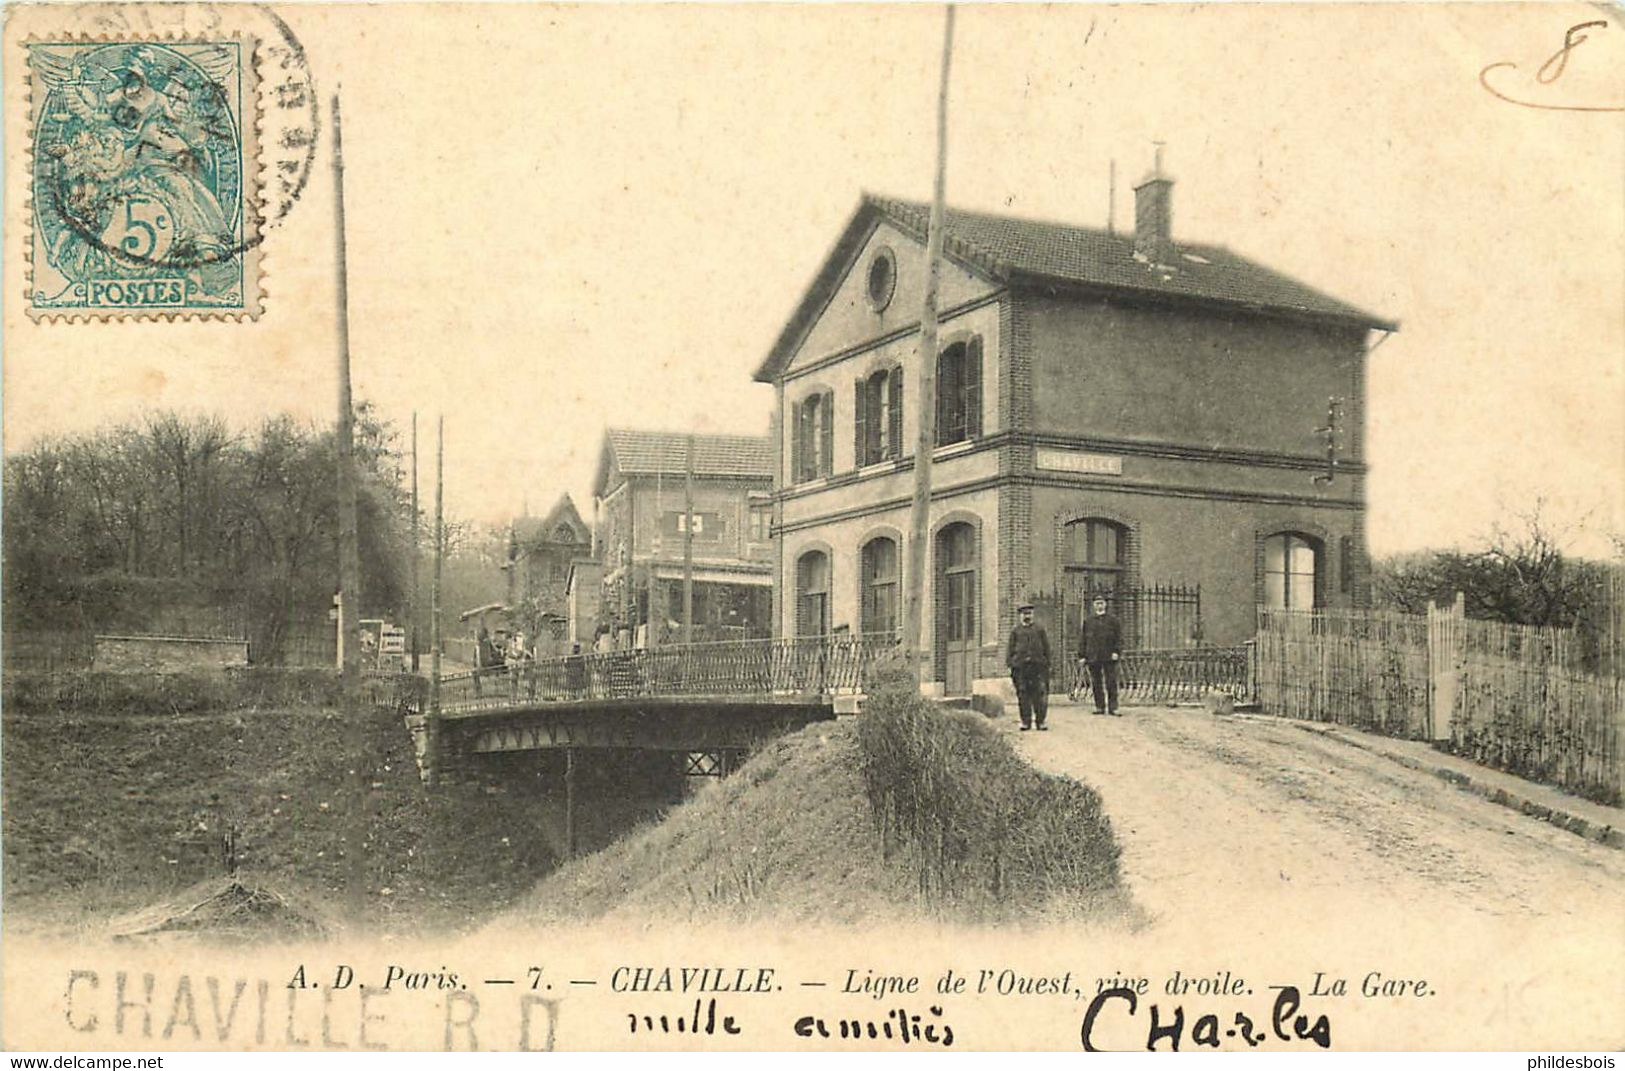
x=1101, y=648
x=1027, y=655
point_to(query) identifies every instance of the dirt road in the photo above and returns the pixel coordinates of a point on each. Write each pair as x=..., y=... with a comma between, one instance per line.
x=1235, y=818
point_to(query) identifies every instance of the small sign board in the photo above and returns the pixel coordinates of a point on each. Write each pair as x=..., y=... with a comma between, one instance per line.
x=1060, y=459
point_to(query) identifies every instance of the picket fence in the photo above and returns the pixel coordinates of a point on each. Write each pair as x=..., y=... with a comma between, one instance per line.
x=1513, y=697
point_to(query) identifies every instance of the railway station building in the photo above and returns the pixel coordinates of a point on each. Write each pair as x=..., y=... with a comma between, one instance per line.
x=1169, y=424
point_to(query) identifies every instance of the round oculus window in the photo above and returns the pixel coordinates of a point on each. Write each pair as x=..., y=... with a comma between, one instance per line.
x=882, y=278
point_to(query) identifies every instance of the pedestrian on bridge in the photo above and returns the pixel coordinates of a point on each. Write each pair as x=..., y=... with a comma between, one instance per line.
x=1027, y=655
x=1101, y=648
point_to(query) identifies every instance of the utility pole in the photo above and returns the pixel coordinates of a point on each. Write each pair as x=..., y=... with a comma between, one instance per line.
x=435, y=642
x=920, y=516
x=349, y=550
x=349, y=557
x=416, y=602
x=1111, y=199
x=688, y=544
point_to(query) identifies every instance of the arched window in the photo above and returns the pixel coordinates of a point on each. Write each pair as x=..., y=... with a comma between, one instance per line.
x=1094, y=555
x=959, y=392
x=879, y=580
x=1292, y=564
x=564, y=534
x=812, y=594
x=811, y=448
x=878, y=417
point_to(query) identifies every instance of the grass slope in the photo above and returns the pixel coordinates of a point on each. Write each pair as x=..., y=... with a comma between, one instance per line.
x=107, y=808
x=788, y=836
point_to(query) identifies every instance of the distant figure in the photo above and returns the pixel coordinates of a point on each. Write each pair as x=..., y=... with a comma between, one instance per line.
x=485, y=650
x=1027, y=655
x=1101, y=647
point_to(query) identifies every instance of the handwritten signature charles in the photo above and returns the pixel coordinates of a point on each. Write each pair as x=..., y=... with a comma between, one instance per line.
x=1549, y=73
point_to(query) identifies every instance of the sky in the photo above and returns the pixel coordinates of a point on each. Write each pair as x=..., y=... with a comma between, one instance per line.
x=561, y=219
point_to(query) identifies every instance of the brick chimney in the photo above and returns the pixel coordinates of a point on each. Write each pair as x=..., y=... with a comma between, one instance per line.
x=1153, y=216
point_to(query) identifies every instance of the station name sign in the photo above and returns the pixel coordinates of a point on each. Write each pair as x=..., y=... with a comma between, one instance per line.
x=1060, y=459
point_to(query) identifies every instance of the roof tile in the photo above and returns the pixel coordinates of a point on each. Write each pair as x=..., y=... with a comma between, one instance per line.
x=666, y=452
x=1083, y=255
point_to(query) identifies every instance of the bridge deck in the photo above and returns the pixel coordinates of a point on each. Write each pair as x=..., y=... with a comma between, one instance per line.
x=498, y=706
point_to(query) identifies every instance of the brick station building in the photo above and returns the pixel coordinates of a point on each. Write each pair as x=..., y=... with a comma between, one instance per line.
x=1123, y=414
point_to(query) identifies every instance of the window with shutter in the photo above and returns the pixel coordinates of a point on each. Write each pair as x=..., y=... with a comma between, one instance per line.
x=894, y=413
x=812, y=445
x=959, y=392
x=973, y=388
x=860, y=422
x=826, y=452
x=798, y=443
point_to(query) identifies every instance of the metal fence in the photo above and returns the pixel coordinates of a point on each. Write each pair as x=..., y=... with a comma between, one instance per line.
x=819, y=666
x=1157, y=617
x=1172, y=676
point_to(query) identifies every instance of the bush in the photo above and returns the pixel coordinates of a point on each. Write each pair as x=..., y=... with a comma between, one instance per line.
x=981, y=825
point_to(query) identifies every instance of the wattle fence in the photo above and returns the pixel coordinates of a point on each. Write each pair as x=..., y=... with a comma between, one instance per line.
x=1514, y=697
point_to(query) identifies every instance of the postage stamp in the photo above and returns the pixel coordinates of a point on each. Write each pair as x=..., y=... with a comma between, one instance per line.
x=144, y=180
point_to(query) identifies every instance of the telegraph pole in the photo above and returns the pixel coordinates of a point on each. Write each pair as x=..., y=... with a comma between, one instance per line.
x=920, y=516
x=416, y=602
x=435, y=642
x=349, y=551
x=688, y=545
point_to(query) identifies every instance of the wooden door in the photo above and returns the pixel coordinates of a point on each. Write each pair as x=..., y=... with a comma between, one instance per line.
x=957, y=619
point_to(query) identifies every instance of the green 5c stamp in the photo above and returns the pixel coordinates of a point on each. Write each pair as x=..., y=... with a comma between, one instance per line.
x=144, y=173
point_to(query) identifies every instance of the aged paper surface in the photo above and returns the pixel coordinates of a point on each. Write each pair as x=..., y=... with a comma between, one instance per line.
x=561, y=219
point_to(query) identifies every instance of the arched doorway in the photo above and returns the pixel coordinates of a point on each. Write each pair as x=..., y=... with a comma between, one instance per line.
x=957, y=590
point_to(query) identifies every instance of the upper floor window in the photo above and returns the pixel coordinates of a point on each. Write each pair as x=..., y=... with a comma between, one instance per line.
x=1292, y=564
x=959, y=392
x=1094, y=552
x=564, y=534
x=761, y=523
x=878, y=421
x=812, y=450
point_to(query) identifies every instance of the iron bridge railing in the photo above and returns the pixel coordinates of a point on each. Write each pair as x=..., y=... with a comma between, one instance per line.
x=819, y=666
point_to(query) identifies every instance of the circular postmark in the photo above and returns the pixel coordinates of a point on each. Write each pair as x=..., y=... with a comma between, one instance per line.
x=148, y=157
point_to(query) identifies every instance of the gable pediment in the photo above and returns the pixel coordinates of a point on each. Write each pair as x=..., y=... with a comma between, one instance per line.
x=847, y=306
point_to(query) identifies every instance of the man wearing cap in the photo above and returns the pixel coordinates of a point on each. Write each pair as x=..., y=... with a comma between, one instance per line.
x=1027, y=655
x=1102, y=647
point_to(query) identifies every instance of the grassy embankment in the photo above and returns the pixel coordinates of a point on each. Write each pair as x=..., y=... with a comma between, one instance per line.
x=108, y=779
x=969, y=832
x=107, y=804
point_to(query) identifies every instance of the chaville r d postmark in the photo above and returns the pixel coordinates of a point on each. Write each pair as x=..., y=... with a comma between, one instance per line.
x=143, y=179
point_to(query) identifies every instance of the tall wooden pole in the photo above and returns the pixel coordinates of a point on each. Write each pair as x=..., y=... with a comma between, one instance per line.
x=349, y=549
x=688, y=545
x=435, y=641
x=920, y=517
x=415, y=610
